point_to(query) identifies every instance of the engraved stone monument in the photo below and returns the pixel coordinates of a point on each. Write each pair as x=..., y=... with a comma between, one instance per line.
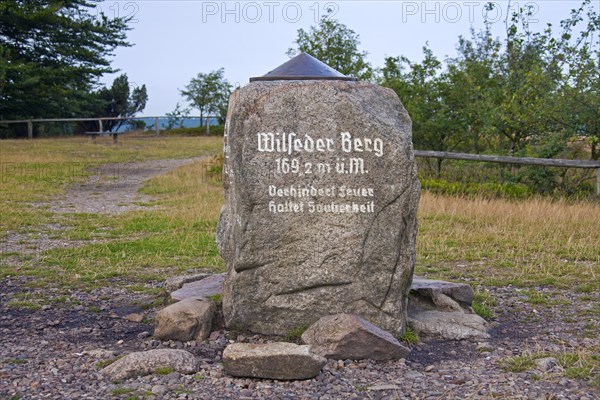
x=321, y=194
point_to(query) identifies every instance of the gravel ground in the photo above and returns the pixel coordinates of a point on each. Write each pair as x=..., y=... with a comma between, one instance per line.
x=56, y=352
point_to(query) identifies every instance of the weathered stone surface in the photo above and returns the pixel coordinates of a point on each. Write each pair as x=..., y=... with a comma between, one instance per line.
x=190, y=319
x=202, y=289
x=282, y=361
x=146, y=362
x=349, y=337
x=175, y=282
x=327, y=225
x=429, y=294
x=449, y=325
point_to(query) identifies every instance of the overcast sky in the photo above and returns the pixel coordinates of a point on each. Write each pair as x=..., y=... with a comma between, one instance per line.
x=175, y=40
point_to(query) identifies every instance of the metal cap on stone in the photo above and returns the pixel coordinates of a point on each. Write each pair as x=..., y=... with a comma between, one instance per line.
x=303, y=67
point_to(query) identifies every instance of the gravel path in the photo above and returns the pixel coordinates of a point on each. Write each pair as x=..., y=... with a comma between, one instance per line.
x=56, y=352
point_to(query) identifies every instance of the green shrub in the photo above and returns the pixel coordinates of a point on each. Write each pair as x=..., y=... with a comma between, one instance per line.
x=488, y=189
x=293, y=335
x=482, y=303
x=215, y=130
x=410, y=336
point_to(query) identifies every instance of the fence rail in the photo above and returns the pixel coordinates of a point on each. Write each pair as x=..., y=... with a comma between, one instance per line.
x=30, y=122
x=546, y=162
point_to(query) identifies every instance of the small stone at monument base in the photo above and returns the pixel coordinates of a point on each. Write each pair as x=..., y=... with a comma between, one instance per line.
x=349, y=337
x=202, y=289
x=190, y=319
x=443, y=310
x=443, y=295
x=146, y=362
x=175, y=282
x=280, y=361
x=449, y=325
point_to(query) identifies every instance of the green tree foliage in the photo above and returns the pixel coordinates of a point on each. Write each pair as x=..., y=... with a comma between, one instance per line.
x=424, y=92
x=51, y=56
x=120, y=101
x=528, y=94
x=336, y=45
x=176, y=117
x=577, y=106
x=209, y=93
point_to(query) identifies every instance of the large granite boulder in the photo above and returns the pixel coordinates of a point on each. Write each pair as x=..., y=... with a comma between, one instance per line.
x=321, y=194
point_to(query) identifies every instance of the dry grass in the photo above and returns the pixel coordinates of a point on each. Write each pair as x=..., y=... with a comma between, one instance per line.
x=38, y=170
x=129, y=148
x=535, y=241
x=491, y=242
x=139, y=246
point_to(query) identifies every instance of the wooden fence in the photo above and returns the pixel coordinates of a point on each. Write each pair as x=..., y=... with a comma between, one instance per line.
x=546, y=162
x=30, y=122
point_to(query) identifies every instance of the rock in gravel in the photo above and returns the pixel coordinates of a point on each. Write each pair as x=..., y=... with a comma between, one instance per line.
x=146, y=362
x=190, y=319
x=159, y=390
x=202, y=289
x=546, y=364
x=280, y=361
x=449, y=325
x=100, y=353
x=321, y=194
x=175, y=282
x=134, y=317
x=349, y=337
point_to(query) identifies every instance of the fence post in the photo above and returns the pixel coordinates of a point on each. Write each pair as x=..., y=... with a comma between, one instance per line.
x=100, y=127
x=156, y=126
x=29, y=130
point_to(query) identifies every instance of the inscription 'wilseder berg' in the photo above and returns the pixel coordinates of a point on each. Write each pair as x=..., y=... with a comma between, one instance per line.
x=320, y=205
x=290, y=143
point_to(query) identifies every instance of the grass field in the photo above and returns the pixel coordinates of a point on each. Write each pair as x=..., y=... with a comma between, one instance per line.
x=136, y=247
x=531, y=244
x=492, y=242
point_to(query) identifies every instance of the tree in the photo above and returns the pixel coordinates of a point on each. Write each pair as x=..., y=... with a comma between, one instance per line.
x=119, y=101
x=424, y=91
x=52, y=54
x=176, y=117
x=577, y=106
x=336, y=45
x=209, y=93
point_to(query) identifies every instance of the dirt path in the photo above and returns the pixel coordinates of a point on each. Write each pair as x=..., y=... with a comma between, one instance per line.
x=114, y=188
